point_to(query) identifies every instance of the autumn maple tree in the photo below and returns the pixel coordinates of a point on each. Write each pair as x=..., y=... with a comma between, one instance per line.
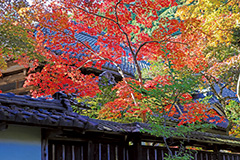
x=138, y=30
x=135, y=25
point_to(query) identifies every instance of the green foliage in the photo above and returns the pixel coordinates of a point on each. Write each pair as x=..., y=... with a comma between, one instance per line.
x=205, y=100
x=157, y=68
x=165, y=12
x=95, y=104
x=179, y=82
x=172, y=130
x=14, y=40
x=236, y=36
x=184, y=155
x=232, y=112
x=221, y=52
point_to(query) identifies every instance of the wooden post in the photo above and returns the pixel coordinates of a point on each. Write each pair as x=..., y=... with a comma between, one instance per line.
x=216, y=151
x=137, y=148
x=90, y=151
x=44, y=145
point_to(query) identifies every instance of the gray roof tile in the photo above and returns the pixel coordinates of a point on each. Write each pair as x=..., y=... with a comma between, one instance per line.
x=127, y=67
x=23, y=110
x=12, y=112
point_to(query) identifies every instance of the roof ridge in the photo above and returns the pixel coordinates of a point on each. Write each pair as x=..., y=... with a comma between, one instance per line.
x=27, y=101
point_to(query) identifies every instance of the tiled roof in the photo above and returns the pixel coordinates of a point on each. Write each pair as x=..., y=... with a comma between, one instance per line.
x=138, y=127
x=226, y=92
x=196, y=136
x=43, y=112
x=56, y=112
x=204, y=136
x=127, y=67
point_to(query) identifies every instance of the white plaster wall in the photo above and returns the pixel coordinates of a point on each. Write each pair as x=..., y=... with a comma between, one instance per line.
x=20, y=143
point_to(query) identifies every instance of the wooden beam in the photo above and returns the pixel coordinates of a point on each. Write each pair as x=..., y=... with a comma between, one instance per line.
x=20, y=90
x=44, y=145
x=12, y=78
x=137, y=148
x=14, y=68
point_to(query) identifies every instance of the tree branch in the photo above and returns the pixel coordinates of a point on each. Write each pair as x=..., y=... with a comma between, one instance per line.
x=228, y=97
x=120, y=71
x=94, y=14
x=222, y=87
x=91, y=60
x=129, y=45
x=119, y=26
x=238, y=89
x=165, y=123
x=212, y=87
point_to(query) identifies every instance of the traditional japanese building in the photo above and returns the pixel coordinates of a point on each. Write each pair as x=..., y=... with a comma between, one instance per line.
x=13, y=77
x=33, y=129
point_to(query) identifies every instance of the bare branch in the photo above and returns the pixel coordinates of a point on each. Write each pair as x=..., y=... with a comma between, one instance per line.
x=119, y=26
x=143, y=44
x=116, y=10
x=238, y=89
x=212, y=87
x=228, y=97
x=129, y=45
x=91, y=60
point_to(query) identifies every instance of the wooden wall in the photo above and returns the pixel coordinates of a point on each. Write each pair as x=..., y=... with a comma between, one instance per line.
x=20, y=143
x=83, y=150
x=13, y=78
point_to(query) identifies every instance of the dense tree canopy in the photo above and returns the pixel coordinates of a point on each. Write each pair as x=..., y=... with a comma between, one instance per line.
x=142, y=27
x=138, y=30
x=218, y=24
x=14, y=35
x=182, y=51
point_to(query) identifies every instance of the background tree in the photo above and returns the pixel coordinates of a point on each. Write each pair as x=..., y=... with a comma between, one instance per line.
x=15, y=35
x=143, y=27
x=217, y=24
x=140, y=26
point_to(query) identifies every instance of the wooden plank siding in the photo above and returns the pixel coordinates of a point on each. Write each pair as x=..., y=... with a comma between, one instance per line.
x=70, y=150
x=13, y=78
